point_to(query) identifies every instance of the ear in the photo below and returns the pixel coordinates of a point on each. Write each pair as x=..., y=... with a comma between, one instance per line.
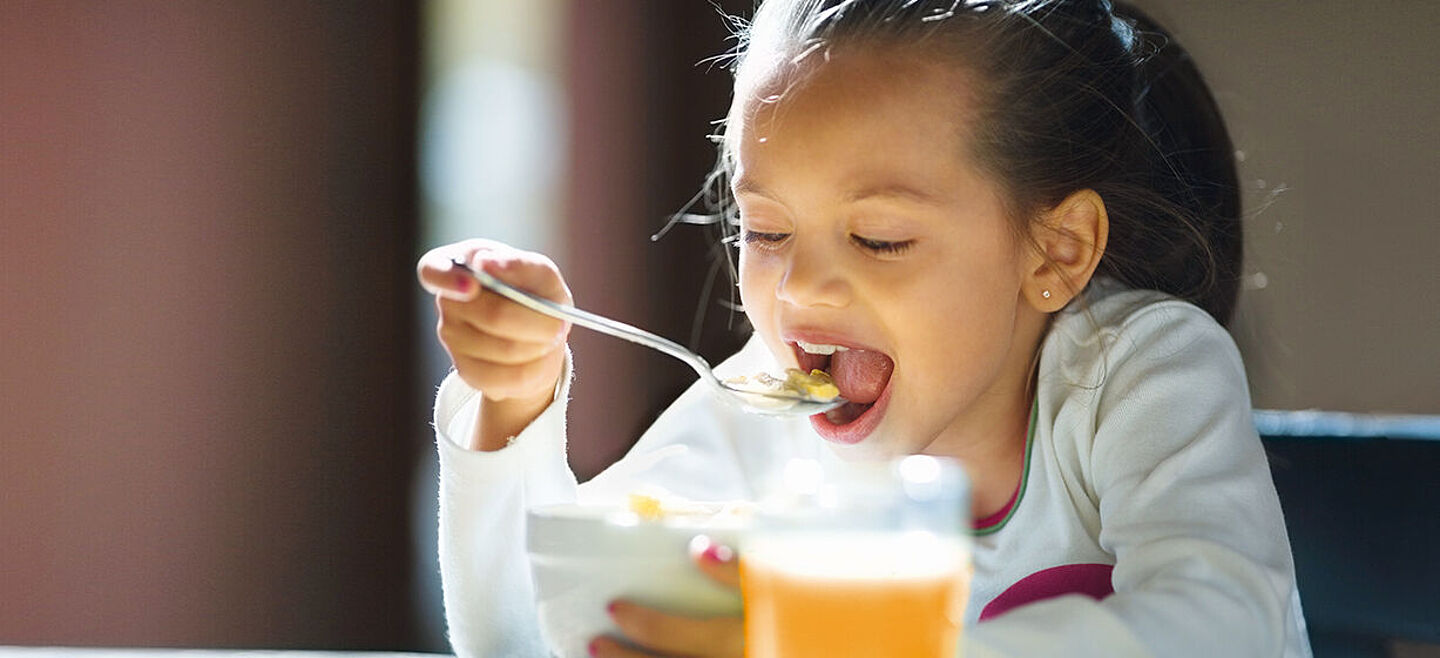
x=1067, y=242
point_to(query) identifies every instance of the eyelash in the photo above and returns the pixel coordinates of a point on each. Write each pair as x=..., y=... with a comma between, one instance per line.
x=881, y=247
x=752, y=237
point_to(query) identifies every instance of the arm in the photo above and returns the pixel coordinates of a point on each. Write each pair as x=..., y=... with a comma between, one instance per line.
x=516, y=429
x=1187, y=508
x=698, y=448
x=483, y=498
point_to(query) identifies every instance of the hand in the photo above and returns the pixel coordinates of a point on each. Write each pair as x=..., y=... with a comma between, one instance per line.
x=512, y=355
x=649, y=632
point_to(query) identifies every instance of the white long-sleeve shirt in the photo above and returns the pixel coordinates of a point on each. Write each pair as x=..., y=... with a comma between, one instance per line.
x=1145, y=523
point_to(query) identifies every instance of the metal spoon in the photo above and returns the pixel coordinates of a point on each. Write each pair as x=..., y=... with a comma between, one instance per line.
x=773, y=404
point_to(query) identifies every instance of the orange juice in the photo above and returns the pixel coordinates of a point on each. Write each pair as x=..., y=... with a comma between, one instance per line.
x=832, y=596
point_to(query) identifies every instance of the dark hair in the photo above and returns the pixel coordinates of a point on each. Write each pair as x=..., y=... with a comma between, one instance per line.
x=1074, y=94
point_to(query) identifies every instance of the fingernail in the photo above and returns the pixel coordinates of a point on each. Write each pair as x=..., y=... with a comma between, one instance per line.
x=463, y=285
x=611, y=606
x=710, y=550
x=718, y=553
x=594, y=647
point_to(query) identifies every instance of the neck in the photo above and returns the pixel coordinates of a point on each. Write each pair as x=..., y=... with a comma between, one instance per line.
x=991, y=440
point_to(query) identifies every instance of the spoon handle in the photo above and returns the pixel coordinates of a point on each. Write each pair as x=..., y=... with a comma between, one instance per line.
x=587, y=319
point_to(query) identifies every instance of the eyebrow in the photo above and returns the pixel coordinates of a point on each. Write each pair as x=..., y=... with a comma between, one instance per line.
x=887, y=191
x=749, y=186
x=893, y=191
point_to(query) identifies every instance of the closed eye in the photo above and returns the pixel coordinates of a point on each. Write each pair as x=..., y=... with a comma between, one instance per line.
x=882, y=247
x=763, y=239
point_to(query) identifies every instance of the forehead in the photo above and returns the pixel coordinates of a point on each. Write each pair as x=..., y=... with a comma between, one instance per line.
x=854, y=113
x=861, y=78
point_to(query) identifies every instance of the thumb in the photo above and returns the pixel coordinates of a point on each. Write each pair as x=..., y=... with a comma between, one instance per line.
x=716, y=560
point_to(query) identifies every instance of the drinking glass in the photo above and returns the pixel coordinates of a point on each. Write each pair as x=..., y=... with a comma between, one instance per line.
x=859, y=559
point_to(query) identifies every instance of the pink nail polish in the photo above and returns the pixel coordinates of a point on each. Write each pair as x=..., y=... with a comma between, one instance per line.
x=719, y=553
x=610, y=607
x=594, y=647
x=463, y=285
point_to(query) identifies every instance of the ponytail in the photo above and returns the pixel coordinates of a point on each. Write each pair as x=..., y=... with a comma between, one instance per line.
x=1191, y=165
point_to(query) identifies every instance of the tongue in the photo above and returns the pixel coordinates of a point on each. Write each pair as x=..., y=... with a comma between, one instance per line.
x=861, y=375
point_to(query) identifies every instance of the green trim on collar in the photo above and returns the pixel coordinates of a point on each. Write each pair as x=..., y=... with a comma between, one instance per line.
x=1024, y=474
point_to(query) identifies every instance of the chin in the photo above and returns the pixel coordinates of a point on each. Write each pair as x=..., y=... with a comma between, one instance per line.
x=874, y=448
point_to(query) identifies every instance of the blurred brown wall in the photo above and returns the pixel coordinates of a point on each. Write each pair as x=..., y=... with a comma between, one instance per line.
x=206, y=426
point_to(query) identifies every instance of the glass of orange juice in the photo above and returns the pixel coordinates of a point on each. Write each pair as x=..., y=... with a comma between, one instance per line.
x=867, y=559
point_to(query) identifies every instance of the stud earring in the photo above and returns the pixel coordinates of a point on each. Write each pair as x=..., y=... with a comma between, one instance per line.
x=1045, y=294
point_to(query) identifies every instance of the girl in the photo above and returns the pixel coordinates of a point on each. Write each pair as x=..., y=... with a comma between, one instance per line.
x=1010, y=230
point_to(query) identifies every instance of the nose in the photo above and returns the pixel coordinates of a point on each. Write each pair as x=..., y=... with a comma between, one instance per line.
x=813, y=277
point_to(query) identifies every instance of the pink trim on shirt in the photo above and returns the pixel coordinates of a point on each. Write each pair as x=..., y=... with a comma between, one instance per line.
x=1092, y=580
x=997, y=517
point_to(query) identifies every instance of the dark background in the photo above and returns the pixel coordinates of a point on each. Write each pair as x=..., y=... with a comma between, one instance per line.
x=208, y=209
x=208, y=369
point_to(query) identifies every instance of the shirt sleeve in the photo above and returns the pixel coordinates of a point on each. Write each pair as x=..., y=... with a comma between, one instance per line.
x=483, y=498
x=1187, y=507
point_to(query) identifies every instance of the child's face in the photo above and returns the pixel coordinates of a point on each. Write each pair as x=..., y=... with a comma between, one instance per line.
x=865, y=225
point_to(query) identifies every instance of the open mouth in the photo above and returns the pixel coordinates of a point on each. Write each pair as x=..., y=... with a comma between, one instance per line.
x=861, y=375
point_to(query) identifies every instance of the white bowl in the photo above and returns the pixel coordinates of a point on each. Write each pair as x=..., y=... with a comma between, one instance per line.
x=584, y=557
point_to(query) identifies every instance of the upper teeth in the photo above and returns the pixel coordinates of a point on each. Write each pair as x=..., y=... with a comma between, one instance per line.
x=813, y=348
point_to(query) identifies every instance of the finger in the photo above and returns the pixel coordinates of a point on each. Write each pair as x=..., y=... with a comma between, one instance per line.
x=478, y=341
x=493, y=314
x=534, y=273
x=678, y=634
x=460, y=338
x=526, y=270
x=715, y=560
x=609, y=647
x=439, y=276
x=501, y=382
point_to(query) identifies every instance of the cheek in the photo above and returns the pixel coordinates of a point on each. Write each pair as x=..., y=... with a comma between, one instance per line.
x=757, y=286
x=955, y=323
x=757, y=297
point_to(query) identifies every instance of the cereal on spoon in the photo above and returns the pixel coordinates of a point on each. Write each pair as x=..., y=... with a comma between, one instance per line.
x=817, y=385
